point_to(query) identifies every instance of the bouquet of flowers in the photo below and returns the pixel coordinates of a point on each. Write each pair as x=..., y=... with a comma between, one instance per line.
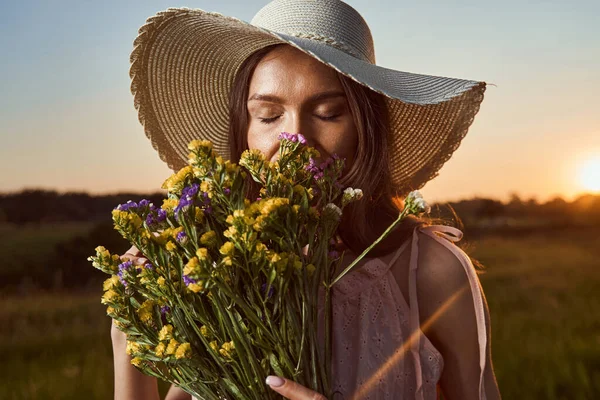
x=230, y=292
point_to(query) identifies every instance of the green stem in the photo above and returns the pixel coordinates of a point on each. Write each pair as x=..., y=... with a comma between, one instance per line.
x=364, y=253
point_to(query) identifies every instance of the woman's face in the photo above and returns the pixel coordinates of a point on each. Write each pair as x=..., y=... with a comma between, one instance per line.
x=292, y=92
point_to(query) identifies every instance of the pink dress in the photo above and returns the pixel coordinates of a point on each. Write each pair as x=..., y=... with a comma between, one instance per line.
x=374, y=350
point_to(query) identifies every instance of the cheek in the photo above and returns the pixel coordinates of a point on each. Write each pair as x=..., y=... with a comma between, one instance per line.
x=263, y=138
x=342, y=141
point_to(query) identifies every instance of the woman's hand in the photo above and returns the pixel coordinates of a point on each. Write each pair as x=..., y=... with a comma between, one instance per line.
x=292, y=390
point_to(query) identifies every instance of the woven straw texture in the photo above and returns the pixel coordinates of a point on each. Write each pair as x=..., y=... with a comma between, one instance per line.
x=184, y=62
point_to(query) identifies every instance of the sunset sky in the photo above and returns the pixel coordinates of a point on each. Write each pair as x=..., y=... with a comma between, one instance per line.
x=67, y=120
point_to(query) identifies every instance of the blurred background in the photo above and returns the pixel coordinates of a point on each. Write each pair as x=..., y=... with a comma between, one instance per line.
x=524, y=184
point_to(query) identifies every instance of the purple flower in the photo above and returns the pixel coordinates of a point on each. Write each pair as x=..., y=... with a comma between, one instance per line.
x=292, y=137
x=181, y=236
x=123, y=268
x=188, y=281
x=208, y=210
x=148, y=266
x=164, y=310
x=226, y=191
x=333, y=254
x=127, y=206
x=144, y=203
x=156, y=217
x=150, y=219
x=271, y=290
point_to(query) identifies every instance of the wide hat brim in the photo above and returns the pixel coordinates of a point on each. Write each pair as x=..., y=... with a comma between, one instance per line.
x=184, y=62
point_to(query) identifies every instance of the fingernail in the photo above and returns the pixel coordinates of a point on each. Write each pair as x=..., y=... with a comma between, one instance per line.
x=274, y=381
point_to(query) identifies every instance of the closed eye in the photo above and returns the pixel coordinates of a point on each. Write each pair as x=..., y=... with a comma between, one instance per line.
x=268, y=120
x=328, y=117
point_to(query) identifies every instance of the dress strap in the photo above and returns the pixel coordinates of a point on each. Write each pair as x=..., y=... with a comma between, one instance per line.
x=451, y=235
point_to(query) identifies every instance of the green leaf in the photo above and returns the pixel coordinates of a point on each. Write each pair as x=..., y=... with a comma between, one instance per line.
x=274, y=361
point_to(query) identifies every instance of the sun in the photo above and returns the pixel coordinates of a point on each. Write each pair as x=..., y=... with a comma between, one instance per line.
x=590, y=175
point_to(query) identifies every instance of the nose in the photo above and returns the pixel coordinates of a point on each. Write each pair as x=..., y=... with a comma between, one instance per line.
x=300, y=124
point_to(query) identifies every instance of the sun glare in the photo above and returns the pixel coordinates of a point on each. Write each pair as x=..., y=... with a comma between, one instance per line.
x=590, y=175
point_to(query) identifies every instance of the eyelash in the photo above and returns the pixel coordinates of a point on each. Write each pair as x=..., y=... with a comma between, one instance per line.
x=271, y=120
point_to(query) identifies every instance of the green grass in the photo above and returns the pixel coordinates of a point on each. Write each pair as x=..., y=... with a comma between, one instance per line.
x=22, y=247
x=542, y=292
x=544, y=299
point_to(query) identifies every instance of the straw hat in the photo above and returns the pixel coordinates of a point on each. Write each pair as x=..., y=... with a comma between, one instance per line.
x=184, y=62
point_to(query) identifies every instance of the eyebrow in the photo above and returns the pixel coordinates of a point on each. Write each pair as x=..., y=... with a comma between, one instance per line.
x=312, y=99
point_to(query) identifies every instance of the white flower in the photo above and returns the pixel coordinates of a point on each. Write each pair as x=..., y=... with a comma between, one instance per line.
x=416, y=204
x=415, y=194
x=331, y=210
x=351, y=195
x=422, y=206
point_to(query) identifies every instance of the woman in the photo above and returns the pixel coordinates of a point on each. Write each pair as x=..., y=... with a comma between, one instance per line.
x=411, y=320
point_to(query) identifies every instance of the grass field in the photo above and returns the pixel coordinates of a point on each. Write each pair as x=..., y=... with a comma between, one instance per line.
x=543, y=293
x=23, y=248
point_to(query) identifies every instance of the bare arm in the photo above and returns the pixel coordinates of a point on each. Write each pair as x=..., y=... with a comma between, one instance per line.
x=130, y=384
x=447, y=314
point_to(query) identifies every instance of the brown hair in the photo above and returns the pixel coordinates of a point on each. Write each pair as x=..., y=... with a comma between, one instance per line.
x=363, y=221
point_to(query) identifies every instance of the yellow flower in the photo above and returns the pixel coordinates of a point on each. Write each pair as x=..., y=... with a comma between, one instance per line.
x=172, y=347
x=160, y=350
x=296, y=208
x=200, y=145
x=169, y=204
x=238, y=213
x=146, y=312
x=170, y=246
x=198, y=215
x=271, y=206
x=209, y=239
x=132, y=348
x=192, y=267
x=299, y=189
x=227, y=261
x=110, y=283
x=183, y=351
x=161, y=281
x=204, y=331
x=202, y=254
x=274, y=258
x=213, y=345
x=231, y=168
x=166, y=332
x=177, y=180
x=260, y=247
x=227, y=249
x=227, y=349
x=260, y=223
x=196, y=287
x=229, y=219
x=110, y=311
x=137, y=361
x=206, y=186
x=110, y=296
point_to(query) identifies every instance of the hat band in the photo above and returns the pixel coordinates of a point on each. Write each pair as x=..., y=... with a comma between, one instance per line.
x=331, y=42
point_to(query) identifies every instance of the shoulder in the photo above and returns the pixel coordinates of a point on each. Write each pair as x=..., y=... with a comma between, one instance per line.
x=445, y=294
x=441, y=265
x=454, y=316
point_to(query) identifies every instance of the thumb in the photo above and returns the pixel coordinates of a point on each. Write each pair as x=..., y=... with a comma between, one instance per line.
x=292, y=390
